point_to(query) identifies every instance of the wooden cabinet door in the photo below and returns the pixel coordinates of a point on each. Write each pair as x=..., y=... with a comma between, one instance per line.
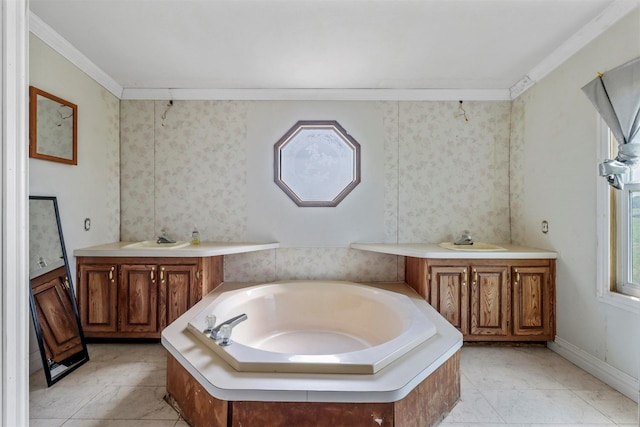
x=138, y=299
x=489, y=300
x=98, y=297
x=56, y=316
x=178, y=291
x=449, y=295
x=532, y=302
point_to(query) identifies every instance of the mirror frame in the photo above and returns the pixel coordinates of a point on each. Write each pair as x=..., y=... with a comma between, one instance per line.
x=34, y=92
x=82, y=356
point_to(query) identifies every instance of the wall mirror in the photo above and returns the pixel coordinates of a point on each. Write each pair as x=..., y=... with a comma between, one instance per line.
x=317, y=163
x=53, y=128
x=53, y=302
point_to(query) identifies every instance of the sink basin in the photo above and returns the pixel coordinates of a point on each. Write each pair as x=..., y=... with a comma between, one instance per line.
x=151, y=244
x=476, y=247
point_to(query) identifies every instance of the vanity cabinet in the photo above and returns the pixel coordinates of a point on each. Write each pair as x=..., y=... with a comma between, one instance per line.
x=58, y=325
x=137, y=297
x=489, y=299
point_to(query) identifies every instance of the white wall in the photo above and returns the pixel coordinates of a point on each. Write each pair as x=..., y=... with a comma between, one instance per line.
x=92, y=188
x=554, y=177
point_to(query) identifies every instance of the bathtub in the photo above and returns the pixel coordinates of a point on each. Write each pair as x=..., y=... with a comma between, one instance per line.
x=196, y=370
x=325, y=327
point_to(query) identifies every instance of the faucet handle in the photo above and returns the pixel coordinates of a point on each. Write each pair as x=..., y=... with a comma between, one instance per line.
x=211, y=321
x=224, y=335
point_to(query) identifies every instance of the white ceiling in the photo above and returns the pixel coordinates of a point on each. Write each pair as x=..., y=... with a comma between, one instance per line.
x=461, y=45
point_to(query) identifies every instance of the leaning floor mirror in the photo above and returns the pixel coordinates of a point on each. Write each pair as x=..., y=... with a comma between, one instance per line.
x=53, y=303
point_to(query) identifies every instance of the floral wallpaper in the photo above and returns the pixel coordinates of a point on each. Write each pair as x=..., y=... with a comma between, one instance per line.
x=453, y=174
x=185, y=165
x=109, y=128
x=516, y=165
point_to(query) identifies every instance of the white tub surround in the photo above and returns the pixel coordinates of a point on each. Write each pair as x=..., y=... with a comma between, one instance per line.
x=204, y=249
x=435, y=250
x=390, y=384
x=315, y=327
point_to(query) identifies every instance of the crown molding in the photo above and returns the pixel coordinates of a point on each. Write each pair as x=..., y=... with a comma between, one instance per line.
x=319, y=94
x=521, y=87
x=608, y=17
x=48, y=35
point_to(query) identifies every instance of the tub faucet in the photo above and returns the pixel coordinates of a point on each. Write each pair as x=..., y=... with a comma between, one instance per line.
x=222, y=332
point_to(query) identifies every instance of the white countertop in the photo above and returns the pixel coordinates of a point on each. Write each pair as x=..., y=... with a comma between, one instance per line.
x=390, y=384
x=434, y=250
x=204, y=249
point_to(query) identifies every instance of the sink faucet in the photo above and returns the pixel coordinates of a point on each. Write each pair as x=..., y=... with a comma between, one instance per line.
x=465, y=239
x=164, y=238
x=222, y=332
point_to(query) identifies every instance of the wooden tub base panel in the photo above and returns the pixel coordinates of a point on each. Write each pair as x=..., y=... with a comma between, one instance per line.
x=426, y=405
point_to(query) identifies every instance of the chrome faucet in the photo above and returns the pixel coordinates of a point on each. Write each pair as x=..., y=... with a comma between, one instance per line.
x=222, y=332
x=465, y=239
x=164, y=238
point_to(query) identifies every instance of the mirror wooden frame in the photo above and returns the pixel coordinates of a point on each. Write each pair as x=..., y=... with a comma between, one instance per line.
x=36, y=150
x=55, y=312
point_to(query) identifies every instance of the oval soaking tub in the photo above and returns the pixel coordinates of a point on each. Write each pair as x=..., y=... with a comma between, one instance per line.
x=315, y=327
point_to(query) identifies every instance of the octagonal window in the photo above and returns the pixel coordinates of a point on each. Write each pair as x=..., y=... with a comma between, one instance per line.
x=317, y=163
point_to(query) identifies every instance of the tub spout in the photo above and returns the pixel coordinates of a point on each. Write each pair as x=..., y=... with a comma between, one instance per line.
x=222, y=332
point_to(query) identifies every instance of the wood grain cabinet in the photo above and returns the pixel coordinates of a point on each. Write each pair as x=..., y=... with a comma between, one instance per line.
x=490, y=300
x=52, y=300
x=139, y=297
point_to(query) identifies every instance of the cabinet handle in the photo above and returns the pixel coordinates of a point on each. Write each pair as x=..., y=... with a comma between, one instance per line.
x=464, y=280
x=66, y=283
x=517, y=276
x=475, y=276
x=198, y=274
x=111, y=273
x=162, y=274
x=152, y=274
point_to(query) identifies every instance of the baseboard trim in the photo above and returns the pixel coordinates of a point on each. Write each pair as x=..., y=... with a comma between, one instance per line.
x=606, y=373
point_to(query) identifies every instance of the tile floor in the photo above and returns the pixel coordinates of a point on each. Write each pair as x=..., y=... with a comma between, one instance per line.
x=123, y=385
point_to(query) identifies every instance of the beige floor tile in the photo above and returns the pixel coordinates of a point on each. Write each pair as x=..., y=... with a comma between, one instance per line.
x=128, y=403
x=119, y=423
x=128, y=352
x=473, y=408
x=120, y=372
x=124, y=384
x=614, y=405
x=587, y=424
x=497, y=367
x=51, y=422
x=59, y=400
x=448, y=424
x=543, y=406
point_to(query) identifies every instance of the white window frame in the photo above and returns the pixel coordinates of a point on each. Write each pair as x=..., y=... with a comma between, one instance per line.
x=624, y=284
x=605, y=291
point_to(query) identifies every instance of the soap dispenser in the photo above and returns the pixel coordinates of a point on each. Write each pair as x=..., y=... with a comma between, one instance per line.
x=195, y=236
